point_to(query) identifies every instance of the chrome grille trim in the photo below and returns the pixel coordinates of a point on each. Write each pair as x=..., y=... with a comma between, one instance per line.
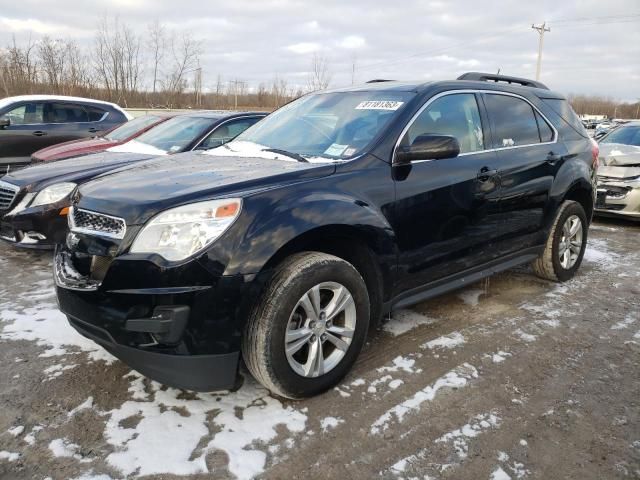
x=8, y=193
x=94, y=223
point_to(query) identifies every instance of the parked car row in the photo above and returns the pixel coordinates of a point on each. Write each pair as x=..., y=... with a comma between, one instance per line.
x=189, y=248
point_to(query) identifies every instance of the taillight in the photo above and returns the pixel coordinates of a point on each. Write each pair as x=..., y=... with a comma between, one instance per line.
x=595, y=153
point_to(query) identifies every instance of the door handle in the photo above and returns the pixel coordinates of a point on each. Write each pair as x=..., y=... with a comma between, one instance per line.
x=552, y=158
x=39, y=133
x=93, y=130
x=485, y=174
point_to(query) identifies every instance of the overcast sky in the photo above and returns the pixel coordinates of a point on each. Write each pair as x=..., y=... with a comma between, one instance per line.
x=593, y=46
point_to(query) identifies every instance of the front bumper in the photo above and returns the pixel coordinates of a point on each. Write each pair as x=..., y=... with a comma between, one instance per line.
x=179, y=325
x=38, y=228
x=618, y=199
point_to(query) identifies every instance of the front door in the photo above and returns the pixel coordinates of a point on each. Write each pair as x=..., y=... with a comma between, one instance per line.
x=446, y=215
x=25, y=134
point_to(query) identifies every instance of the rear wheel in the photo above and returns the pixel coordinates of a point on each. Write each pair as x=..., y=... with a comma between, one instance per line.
x=565, y=246
x=309, y=326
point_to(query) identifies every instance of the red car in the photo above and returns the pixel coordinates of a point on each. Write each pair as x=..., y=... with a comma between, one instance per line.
x=116, y=136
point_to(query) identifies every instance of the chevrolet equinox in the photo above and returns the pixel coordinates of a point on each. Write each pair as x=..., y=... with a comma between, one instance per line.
x=286, y=245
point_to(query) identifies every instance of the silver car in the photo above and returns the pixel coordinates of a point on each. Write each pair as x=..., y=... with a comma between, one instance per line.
x=619, y=173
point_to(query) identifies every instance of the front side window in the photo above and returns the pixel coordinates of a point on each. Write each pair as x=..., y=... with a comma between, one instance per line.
x=325, y=126
x=625, y=135
x=27, y=114
x=227, y=132
x=513, y=119
x=456, y=115
x=65, y=113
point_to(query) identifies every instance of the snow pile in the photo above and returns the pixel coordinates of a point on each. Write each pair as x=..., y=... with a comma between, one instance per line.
x=471, y=297
x=450, y=341
x=402, y=321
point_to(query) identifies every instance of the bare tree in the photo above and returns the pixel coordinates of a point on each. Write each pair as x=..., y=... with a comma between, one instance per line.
x=158, y=44
x=319, y=78
x=185, y=53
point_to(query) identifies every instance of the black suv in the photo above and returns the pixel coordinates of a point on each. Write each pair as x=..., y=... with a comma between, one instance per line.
x=287, y=244
x=31, y=122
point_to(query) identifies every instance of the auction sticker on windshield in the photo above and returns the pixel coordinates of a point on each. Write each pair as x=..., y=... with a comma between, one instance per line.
x=379, y=105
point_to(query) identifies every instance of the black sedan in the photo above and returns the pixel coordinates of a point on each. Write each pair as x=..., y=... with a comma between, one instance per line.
x=34, y=201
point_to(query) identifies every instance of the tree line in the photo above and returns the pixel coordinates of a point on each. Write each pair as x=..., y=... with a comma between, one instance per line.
x=157, y=68
x=160, y=68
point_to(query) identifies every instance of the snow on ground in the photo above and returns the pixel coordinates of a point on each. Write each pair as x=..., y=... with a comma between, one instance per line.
x=626, y=322
x=48, y=327
x=168, y=434
x=449, y=341
x=459, y=437
x=499, y=474
x=15, y=431
x=598, y=252
x=9, y=456
x=456, y=378
x=402, y=321
x=471, y=296
x=330, y=422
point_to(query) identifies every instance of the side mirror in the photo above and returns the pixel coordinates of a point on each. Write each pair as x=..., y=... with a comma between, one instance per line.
x=4, y=122
x=428, y=147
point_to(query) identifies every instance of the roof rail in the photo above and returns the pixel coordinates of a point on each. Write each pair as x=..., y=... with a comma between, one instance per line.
x=490, y=77
x=378, y=80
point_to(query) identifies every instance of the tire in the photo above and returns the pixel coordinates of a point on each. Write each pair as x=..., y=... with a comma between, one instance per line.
x=282, y=311
x=549, y=265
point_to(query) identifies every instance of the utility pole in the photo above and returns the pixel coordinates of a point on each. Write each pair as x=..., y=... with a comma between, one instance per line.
x=541, y=31
x=236, y=83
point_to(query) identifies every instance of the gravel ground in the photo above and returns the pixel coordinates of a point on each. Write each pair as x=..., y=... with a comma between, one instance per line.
x=513, y=377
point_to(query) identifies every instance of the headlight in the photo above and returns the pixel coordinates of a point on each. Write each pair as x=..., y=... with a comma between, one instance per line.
x=180, y=232
x=53, y=194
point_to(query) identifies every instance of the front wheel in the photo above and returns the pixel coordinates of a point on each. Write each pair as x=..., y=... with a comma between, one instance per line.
x=308, y=328
x=565, y=246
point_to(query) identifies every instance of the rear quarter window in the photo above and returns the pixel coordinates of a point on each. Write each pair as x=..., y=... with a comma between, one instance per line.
x=564, y=110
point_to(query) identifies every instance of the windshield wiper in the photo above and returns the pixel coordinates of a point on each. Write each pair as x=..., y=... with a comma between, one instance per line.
x=295, y=156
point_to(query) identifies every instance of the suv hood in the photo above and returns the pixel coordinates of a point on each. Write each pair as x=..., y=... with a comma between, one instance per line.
x=619, y=161
x=139, y=192
x=76, y=169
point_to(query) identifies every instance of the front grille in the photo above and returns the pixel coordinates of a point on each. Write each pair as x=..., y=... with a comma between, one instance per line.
x=84, y=221
x=8, y=194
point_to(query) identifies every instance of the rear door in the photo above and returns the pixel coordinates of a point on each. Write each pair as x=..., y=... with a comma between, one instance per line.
x=529, y=155
x=446, y=215
x=66, y=121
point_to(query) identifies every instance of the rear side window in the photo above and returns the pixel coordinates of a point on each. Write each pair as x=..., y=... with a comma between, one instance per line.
x=66, y=113
x=513, y=119
x=26, y=114
x=456, y=115
x=563, y=108
x=546, y=133
x=95, y=114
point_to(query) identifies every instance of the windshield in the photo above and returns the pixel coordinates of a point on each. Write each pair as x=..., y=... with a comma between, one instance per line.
x=130, y=128
x=177, y=133
x=333, y=126
x=626, y=135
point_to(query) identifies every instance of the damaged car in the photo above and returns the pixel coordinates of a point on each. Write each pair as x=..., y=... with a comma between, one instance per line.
x=285, y=246
x=34, y=202
x=618, y=193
